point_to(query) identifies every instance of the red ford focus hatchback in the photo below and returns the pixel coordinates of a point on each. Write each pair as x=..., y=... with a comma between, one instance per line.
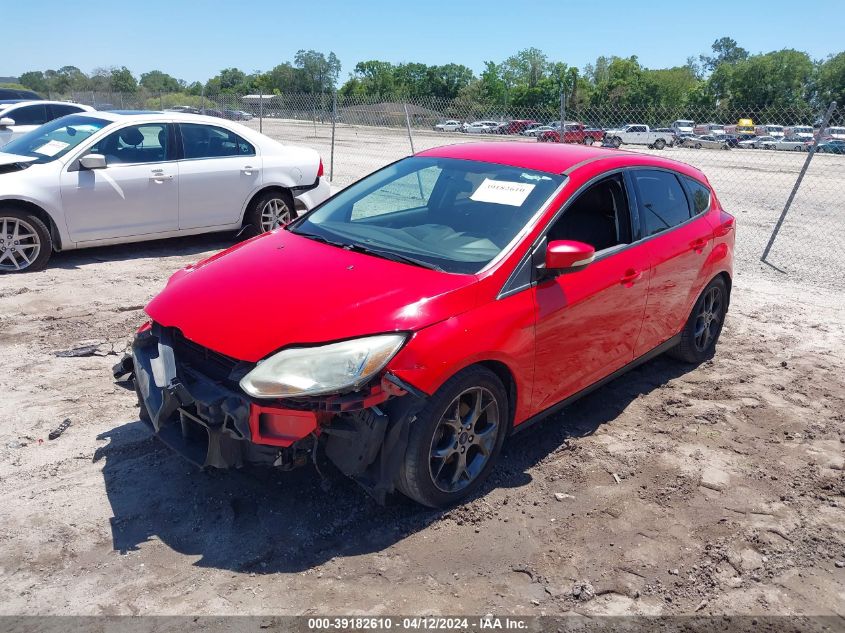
x=413, y=321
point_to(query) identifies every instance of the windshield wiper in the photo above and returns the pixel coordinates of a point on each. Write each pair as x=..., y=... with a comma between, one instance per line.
x=320, y=238
x=396, y=257
x=360, y=248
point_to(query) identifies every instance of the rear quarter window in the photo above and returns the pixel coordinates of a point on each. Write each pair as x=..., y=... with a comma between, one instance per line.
x=699, y=196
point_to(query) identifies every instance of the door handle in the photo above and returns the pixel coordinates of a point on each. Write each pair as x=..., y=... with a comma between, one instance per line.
x=160, y=178
x=630, y=277
x=698, y=245
x=248, y=170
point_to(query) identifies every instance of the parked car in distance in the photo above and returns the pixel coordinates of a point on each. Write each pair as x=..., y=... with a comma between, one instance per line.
x=98, y=178
x=834, y=132
x=832, y=146
x=7, y=94
x=708, y=142
x=799, y=131
x=730, y=139
x=449, y=317
x=683, y=127
x=572, y=133
x=775, y=131
x=517, y=126
x=709, y=129
x=452, y=125
x=480, y=127
x=758, y=142
x=536, y=130
x=744, y=129
x=637, y=134
x=19, y=117
x=790, y=144
x=184, y=109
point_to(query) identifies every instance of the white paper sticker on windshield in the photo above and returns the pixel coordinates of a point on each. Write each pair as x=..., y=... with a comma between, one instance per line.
x=502, y=192
x=51, y=148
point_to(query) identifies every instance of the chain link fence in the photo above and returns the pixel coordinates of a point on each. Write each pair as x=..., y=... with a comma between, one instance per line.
x=752, y=156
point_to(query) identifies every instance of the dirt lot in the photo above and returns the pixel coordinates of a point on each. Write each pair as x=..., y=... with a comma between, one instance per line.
x=715, y=489
x=729, y=499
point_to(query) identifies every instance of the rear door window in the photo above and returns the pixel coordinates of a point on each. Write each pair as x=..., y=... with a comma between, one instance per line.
x=210, y=141
x=29, y=115
x=662, y=201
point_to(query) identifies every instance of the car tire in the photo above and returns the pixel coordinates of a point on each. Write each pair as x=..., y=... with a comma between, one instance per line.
x=726, y=146
x=450, y=454
x=659, y=144
x=589, y=140
x=615, y=142
x=697, y=146
x=24, y=237
x=269, y=211
x=701, y=332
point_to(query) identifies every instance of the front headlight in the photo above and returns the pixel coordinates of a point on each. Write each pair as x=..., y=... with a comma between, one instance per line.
x=311, y=371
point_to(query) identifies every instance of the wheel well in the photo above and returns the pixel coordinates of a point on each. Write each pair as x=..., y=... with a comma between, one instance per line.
x=260, y=193
x=40, y=213
x=504, y=374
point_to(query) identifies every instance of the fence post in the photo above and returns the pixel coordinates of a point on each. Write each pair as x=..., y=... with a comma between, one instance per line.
x=314, y=116
x=812, y=151
x=334, y=123
x=408, y=126
x=261, y=110
x=160, y=102
x=562, y=111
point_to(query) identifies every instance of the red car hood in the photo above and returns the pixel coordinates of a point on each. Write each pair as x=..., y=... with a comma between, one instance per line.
x=280, y=289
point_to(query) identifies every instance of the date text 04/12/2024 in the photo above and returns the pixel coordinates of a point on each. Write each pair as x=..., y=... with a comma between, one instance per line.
x=421, y=623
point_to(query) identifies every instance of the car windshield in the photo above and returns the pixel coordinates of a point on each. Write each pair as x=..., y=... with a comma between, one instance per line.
x=56, y=138
x=447, y=214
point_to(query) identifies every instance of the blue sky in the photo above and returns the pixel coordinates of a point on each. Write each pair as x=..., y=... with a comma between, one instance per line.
x=194, y=40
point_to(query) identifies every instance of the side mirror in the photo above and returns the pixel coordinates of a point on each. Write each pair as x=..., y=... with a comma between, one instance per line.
x=6, y=122
x=567, y=256
x=93, y=161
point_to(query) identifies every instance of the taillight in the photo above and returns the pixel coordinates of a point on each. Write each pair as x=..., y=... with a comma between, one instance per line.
x=320, y=169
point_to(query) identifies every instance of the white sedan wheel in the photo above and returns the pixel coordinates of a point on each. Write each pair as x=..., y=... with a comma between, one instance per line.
x=275, y=213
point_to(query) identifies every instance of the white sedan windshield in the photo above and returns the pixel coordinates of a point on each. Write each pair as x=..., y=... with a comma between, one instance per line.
x=56, y=138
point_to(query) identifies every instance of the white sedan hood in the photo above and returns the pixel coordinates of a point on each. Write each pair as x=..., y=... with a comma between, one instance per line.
x=8, y=159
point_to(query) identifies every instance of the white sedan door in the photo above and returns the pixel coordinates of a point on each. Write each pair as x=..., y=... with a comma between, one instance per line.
x=137, y=193
x=217, y=173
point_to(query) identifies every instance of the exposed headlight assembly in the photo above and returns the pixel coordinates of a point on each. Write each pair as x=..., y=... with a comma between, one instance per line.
x=313, y=371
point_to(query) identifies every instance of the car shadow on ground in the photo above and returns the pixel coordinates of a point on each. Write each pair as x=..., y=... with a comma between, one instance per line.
x=192, y=245
x=264, y=521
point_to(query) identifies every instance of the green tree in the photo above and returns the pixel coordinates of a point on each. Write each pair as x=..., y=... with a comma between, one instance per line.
x=780, y=79
x=122, y=80
x=725, y=51
x=320, y=71
x=830, y=81
x=157, y=81
x=35, y=80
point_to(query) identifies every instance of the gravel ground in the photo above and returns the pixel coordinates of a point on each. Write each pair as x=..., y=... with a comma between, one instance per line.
x=675, y=489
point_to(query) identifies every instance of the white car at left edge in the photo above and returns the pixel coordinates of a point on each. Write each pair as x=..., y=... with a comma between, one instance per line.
x=100, y=178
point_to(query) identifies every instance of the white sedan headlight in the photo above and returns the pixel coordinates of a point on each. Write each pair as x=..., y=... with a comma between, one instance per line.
x=311, y=371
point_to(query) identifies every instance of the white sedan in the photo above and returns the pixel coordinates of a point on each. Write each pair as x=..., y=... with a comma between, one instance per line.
x=480, y=127
x=449, y=126
x=792, y=144
x=101, y=178
x=19, y=117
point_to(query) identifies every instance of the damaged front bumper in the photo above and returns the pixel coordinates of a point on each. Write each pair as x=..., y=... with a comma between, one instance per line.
x=190, y=398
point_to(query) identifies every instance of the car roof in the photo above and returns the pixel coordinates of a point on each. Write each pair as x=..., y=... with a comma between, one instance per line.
x=552, y=157
x=152, y=115
x=10, y=102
